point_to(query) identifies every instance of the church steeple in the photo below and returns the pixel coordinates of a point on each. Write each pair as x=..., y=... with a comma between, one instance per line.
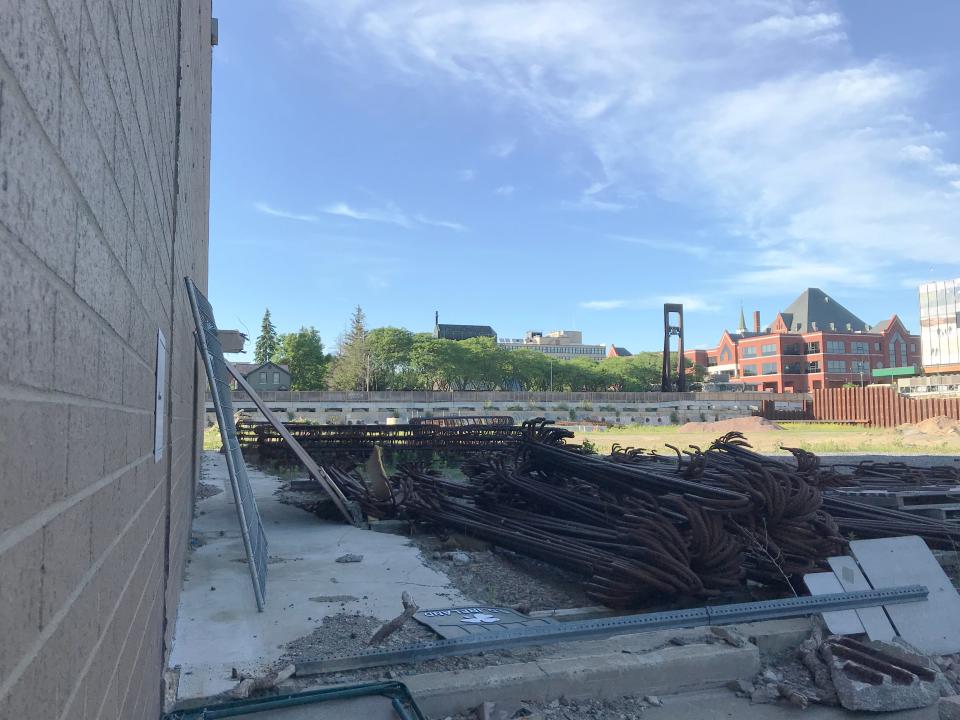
x=743, y=321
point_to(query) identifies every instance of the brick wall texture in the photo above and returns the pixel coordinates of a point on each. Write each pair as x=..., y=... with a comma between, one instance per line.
x=104, y=172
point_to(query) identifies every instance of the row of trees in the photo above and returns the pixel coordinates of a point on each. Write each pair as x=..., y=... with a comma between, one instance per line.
x=391, y=358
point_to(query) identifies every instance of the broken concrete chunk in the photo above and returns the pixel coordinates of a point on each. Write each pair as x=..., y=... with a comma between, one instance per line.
x=729, y=637
x=949, y=708
x=350, y=558
x=877, y=676
x=765, y=694
x=653, y=700
x=459, y=557
x=741, y=687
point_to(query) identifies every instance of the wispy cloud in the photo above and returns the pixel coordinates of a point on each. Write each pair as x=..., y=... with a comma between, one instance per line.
x=691, y=303
x=503, y=148
x=448, y=224
x=269, y=210
x=390, y=214
x=725, y=108
x=504, y=190
x=679, y=246
x=604, y=304
x=466, y=175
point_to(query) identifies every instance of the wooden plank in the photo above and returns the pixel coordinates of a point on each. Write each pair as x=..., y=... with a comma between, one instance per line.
x=316, y=472
x=931, y=626
x=874, y=620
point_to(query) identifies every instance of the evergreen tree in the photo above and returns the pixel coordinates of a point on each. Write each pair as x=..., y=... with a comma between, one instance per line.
x=351, y=369
x=268, y=342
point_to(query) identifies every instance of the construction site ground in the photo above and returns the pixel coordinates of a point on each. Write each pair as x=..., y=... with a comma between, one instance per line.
x=318, y=606
x=768, y=437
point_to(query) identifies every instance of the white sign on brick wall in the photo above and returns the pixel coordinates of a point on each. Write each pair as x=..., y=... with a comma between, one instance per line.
x=161, y=397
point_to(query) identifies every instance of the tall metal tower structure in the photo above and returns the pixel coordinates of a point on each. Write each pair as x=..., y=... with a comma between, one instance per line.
x=671, y=328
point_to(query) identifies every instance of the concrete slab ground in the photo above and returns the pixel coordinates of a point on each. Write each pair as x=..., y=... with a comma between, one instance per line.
x=218, y=626
x=724, y=705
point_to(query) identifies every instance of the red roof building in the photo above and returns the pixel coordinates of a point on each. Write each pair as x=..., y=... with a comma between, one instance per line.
x=617, y=351
x=815, y=343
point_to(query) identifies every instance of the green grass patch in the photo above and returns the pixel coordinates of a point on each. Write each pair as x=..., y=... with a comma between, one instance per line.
x=211, y=438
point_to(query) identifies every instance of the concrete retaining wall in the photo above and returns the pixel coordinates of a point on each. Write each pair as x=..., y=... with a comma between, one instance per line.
x=626, y=408
x=104, y=166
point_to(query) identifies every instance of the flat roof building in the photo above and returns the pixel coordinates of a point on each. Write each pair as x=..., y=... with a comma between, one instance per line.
x=561, y=344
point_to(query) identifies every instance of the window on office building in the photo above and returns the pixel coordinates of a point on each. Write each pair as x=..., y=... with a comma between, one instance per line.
x=750, y=351
x=836, y=366
x=749, y=370
x=768, y=349
x=860, y=348
x=860, y=366
x=836, y=347
x=813, y=348
x=769, y=368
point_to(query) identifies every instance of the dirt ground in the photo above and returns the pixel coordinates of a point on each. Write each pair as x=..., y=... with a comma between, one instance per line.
x=823, y=439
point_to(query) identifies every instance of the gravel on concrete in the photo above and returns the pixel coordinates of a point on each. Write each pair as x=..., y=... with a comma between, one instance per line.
x=205, y=490
x=347, y=634
x=630, y=707
x=496, y=576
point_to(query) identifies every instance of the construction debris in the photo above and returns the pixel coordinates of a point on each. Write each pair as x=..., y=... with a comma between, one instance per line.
x=410, y=608
x=876, y=676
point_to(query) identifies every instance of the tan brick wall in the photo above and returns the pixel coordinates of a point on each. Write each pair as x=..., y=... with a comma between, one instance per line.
x=104, y=180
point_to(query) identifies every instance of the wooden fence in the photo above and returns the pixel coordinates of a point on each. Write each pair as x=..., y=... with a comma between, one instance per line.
x=878, y=406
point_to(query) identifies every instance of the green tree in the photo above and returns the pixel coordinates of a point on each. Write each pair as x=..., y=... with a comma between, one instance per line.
x=389, y=351
x=268, y=342
x=351, y=367
x=302, y=353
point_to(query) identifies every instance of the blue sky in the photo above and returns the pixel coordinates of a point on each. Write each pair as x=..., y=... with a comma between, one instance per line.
x=575, y=163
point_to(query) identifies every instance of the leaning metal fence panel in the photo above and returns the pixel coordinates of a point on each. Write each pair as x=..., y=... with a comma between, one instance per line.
x=251, y=527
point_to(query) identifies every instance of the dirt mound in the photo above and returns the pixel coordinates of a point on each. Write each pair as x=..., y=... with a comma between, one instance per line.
x=939, y=426
x=722, y=427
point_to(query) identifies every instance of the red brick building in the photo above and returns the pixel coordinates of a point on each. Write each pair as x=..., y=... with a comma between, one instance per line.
x=815, y=343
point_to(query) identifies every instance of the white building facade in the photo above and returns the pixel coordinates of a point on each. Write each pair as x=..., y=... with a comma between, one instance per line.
x=939, y=320
x=560, y=344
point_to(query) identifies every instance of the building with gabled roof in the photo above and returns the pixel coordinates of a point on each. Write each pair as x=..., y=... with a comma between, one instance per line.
x=814, y=343
x=617, y=351
x=446, y=331
x=264, y=376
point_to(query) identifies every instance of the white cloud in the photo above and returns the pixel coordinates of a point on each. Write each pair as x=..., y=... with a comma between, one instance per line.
x=504, y=148
x=504, y=190
x=683, y=247
x=691, y=303
x=448, y=224
x=720, y=107
x=604, y=304
x=390, y=214
x=820, y=27
x=268, y=210
x=466, y=175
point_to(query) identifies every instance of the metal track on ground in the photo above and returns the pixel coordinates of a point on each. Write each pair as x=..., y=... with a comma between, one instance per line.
x=251, y=527
x=606, y=627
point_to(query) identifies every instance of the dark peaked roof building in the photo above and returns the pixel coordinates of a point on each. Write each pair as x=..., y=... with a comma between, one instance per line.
x=446, y=331
x=815, y=310
x=813, y=344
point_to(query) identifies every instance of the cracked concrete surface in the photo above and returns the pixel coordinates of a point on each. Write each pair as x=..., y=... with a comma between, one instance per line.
x=218, y=626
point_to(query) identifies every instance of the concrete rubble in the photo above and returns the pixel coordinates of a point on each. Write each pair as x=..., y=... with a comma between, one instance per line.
x=856, y=675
